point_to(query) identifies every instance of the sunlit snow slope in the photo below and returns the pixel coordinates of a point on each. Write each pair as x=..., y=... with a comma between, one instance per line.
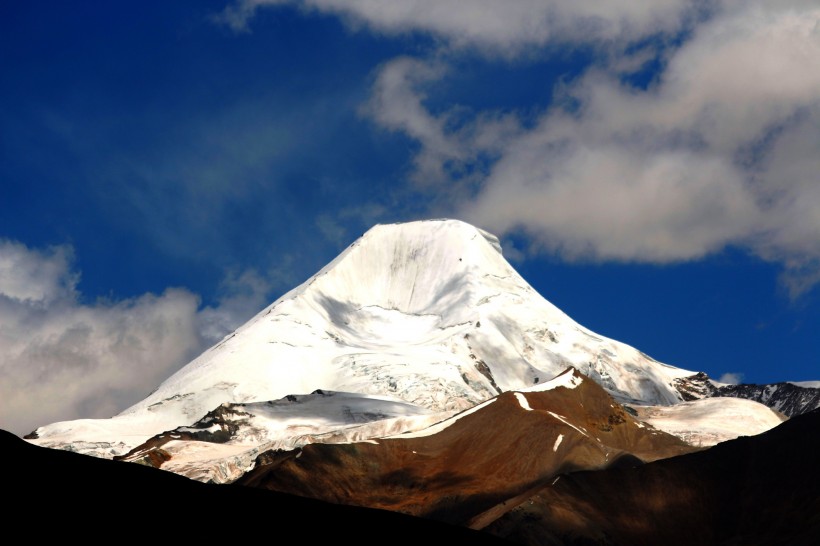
x=428, y=312
x=709, y=421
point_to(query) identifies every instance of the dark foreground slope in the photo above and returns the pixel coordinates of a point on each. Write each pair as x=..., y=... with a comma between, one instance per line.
x=761, y=490
x=52, y=495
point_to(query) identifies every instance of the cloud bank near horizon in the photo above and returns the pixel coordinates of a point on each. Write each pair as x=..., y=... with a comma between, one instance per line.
x=65, y=359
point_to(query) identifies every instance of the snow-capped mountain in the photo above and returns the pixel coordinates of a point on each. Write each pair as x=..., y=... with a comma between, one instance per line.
x=419, y=372
x=428, y=313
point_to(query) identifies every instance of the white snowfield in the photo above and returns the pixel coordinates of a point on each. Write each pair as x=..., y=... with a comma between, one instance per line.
x=290, y=423
x=444, y=424
x=709, y=421
x=806, y=384
x=429, y=313
x=568, y=380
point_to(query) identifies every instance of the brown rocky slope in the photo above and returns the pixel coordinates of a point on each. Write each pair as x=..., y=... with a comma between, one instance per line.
x=470, y=469
x=759, y=490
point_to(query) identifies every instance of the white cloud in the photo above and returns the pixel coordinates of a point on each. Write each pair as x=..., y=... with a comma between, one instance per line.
x=498, y=27
x=589, y=200
x=721, y=150
x=448, y=150
x=237, y=14
x=731, y=378
x=63, y=359
x=396, y=104
x=789, y=179
x=35, y=276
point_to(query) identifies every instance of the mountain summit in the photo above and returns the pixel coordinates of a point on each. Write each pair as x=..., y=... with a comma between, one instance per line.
x=425, y=313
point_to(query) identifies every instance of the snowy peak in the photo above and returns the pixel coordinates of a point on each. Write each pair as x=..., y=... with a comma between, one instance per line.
x=399, y=284
x=429, y=269
x=426, y=312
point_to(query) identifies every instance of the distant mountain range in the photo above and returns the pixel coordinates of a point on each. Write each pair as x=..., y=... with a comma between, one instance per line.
x=788, y=398
x=418, y=372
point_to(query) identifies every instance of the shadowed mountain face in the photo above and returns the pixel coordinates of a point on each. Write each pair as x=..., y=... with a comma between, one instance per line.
x=787, y=398
x=469, y=469
x=52, y=495
x=760, y=490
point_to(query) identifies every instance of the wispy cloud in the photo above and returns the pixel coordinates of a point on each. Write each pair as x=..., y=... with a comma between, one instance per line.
x=242, y=293
x=452, y=154
x=184, y=187
x=497, y=27
x=396, y=104
x=65, y=359
x=238, y=14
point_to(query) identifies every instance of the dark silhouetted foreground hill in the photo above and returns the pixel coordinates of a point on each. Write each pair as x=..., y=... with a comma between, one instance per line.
x=52, y=495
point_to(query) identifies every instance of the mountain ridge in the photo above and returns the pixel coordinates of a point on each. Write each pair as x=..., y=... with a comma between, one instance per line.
x=787, y=397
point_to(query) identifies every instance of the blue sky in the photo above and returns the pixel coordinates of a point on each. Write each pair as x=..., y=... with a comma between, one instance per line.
x=168, y=169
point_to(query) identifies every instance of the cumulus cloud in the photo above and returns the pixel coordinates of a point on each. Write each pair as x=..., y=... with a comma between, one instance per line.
x=603, y=201
x=721, y=150
x=498, y=27
x=64, y=359
x=686, y=167
x=38, y=277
